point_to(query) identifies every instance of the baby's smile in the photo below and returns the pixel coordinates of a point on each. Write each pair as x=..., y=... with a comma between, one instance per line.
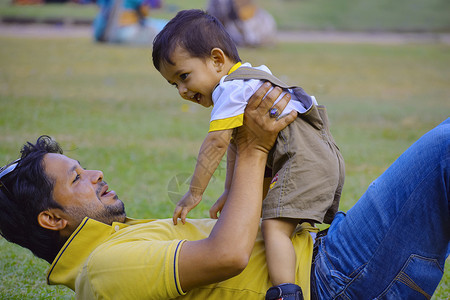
x=196, y=97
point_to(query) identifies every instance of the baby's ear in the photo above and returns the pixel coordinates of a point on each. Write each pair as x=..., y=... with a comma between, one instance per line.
x=218, y=58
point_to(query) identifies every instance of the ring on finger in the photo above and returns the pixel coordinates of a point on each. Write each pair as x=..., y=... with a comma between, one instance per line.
x=274, y=113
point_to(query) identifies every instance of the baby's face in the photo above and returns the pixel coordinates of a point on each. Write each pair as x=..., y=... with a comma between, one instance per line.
x=195, y=78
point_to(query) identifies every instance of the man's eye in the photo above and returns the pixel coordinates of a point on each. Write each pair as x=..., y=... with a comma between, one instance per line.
x=76, y=178
x=184, y=76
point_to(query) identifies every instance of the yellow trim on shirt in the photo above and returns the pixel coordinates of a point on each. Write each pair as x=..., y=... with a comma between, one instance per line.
x=227, y=123
x=235, y=67
x=231, y=122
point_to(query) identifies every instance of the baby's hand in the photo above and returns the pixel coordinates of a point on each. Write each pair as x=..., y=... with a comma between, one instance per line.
x=218, y=206
x=188, y=202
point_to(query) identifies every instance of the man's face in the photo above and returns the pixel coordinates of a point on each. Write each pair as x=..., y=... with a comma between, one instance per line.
x=82, y=193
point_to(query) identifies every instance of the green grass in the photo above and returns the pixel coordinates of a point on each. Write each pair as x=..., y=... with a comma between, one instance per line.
x=351, y=15
x=111, y=110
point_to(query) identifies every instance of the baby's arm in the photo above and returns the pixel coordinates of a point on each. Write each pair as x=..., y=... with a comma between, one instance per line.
x=231, y=159
x=211, y=152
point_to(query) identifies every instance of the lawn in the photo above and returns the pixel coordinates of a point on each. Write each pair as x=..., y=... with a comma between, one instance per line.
x=112, y=111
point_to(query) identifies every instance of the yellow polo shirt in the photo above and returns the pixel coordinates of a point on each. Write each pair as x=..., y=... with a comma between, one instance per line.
x=138, y=259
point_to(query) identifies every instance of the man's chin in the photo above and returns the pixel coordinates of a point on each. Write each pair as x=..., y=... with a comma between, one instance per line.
x=110, y=213
x=116, y=212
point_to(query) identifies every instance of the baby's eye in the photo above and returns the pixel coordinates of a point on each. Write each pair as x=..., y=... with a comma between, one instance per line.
x=174, y=85
x=184, y=76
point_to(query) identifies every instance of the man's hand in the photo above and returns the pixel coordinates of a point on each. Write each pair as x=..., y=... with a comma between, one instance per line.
x=185, y=205
x=259, y=129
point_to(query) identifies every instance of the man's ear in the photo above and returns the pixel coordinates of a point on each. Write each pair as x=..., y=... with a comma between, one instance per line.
x=50, y=219
x=218, y=58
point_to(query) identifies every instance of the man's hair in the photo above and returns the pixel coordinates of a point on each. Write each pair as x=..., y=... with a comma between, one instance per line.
x=196, y=32
x=25, y=193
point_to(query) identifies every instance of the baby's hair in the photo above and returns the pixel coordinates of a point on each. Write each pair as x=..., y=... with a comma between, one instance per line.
x=195, y=31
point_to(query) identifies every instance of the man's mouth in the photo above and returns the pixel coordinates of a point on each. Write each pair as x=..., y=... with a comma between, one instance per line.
x=105, y=192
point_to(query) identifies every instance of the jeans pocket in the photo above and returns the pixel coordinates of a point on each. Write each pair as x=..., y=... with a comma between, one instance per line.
x=418, y=279
x=328, y=281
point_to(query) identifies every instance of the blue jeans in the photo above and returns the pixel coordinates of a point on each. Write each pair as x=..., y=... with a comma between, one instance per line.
x=393, y=243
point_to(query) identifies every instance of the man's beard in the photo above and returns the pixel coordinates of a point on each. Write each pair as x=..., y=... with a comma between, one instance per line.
x=115, y=213
x=109, y=214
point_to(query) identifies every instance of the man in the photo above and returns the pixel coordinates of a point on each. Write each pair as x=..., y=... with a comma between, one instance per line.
x=391, y=245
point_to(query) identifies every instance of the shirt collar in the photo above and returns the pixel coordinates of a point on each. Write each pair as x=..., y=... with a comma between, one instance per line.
x=73, y=255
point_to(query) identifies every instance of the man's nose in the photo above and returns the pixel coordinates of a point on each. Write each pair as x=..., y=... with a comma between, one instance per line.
x=96, y=176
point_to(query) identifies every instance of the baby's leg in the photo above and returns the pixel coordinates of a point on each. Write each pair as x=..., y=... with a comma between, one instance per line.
x=280, y=252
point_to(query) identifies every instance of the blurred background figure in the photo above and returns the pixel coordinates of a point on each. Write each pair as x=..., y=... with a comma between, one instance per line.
x=127, y=22
x=247, y=23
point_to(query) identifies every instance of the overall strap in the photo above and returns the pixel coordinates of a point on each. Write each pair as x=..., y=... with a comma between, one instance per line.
x=312, y=115
x=245, y=73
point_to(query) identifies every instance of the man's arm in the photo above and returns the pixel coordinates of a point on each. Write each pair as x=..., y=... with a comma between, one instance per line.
x=211, y=152
x=226, y=252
